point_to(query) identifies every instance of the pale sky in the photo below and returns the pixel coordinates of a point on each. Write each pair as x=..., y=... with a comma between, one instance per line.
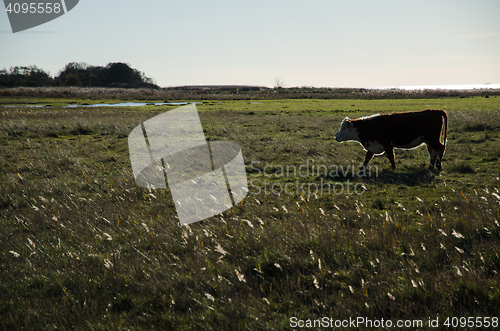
x=305, y=43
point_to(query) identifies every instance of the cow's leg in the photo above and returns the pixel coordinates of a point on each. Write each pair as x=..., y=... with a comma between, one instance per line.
x=389, y=151
x=438, y=161
x=368, y=157
x=439, y=156
x=433, y=158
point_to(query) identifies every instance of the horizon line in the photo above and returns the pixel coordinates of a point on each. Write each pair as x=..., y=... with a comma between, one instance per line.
x=402, y=87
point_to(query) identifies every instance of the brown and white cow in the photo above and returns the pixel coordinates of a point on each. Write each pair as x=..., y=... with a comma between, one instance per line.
x=381, y=133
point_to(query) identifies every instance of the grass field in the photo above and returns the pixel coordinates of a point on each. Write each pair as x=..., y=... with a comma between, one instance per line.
x=83, y=247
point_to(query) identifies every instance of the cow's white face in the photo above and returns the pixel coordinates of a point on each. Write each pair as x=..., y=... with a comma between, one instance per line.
x=347, y=131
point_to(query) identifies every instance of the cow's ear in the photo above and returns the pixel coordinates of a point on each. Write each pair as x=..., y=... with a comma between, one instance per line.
x=348, y=121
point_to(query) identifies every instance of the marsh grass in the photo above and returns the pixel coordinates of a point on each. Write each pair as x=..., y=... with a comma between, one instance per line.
x=237, y=93
x=83, y=247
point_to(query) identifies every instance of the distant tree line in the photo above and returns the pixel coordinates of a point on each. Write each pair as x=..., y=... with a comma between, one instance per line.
x=115, y=74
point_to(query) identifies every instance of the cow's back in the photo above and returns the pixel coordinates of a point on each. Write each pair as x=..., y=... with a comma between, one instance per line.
x=400, y=129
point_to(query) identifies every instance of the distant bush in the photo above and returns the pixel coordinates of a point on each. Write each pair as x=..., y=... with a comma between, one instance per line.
x=115, y=74
x=25, y=76
x=73, y=80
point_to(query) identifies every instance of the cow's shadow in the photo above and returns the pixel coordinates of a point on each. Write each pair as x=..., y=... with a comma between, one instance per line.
x=409, y=176
x=412, y=176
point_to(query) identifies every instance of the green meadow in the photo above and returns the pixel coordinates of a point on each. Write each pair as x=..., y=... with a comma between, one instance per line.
x=84, y=248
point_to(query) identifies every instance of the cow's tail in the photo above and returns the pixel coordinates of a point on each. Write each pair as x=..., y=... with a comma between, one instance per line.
x=445, y=117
